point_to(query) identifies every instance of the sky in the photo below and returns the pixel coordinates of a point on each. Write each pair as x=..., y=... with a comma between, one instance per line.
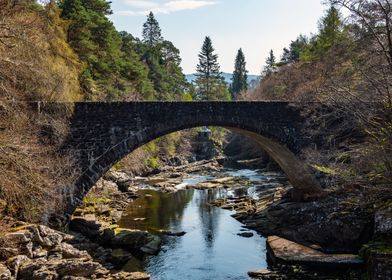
x=256, y=26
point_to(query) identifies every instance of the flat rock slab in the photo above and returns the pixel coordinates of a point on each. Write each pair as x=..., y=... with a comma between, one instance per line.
x=286, y=251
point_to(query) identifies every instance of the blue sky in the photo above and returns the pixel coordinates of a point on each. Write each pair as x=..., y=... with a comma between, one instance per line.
x=256, y=26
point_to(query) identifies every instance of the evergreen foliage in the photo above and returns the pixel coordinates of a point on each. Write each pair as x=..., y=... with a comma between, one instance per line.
x=117, y=65
x=151, y=31
x=330, y=33
x=270, y=66
x=209, y=80
x=240, y=76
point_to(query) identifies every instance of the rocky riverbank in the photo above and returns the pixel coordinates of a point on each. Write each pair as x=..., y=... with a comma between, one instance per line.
x=97, y=248
x=341, y=223
x=352, y=219
x=38, y=252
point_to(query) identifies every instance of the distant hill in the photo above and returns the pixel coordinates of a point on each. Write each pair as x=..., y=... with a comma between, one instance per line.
x=251, y=78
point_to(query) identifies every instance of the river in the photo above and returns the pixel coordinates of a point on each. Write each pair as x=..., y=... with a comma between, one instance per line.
x=211, y=247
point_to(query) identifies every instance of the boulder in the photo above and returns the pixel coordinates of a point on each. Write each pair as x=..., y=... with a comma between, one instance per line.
x=18, y=237
x=85, y=226
x=5, y=273
x=15, y=262
x=76, y=268
x=383, y=223
x=70, y=252
x=137, y=240
x=336, y=226
x=281, y=250
x=153, y=246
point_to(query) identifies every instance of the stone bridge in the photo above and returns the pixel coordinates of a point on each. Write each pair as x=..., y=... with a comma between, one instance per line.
x=101, y=134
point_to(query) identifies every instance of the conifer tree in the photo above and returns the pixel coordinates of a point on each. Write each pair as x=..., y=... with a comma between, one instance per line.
x=209, y=81
x=240, y=76
x=270, y=64
x=151, y=31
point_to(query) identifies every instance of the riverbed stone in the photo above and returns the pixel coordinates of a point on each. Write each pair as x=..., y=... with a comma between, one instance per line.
x=264, y=274
x=281, y=250
x=70, y=252
x=130, y=276
x=137, y=239
x=5, y=273
x=245, y=234
x=153, y=246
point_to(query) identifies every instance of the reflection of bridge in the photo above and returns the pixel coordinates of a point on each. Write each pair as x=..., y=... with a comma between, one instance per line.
x=103, y=133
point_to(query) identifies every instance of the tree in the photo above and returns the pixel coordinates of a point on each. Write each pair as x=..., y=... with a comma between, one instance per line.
x=209, y=80
x=270, y=64
x=330, y=29
x=97, y=43
x=151, y=31
x=240, y=76
x=330, y=33
x=293, y=54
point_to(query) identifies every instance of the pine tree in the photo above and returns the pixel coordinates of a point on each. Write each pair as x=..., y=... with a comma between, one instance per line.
x=270, y=64
x=240, y=77
x=330, y=29
x=208, y=78
x=151, y=31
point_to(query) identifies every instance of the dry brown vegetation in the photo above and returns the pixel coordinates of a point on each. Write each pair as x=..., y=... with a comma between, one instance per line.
x=35, y=64
x=354, y=78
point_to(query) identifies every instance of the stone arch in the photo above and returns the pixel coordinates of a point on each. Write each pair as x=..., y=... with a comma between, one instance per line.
x=124, y=127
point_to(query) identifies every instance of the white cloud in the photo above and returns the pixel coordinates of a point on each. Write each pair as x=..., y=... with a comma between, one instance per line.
x=141, y=3
x=145, y=6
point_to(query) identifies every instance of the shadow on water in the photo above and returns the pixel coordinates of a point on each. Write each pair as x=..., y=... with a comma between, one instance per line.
x=211, y=248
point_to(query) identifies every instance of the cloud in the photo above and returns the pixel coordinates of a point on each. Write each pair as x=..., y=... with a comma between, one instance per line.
x=143, y=7
x=141, y=3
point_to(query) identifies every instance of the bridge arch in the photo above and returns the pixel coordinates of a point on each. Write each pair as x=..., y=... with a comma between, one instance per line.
x=103, y=133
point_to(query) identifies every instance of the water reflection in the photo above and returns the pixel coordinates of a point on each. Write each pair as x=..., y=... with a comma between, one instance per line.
x=211, y=248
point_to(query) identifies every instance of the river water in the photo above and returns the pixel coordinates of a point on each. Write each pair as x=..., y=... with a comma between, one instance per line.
x=211, y=247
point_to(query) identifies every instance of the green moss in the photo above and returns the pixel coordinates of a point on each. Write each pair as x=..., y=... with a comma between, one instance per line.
x=324, y=169
x=153, y=162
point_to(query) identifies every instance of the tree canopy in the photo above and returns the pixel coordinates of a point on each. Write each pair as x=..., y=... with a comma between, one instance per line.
x=209, y=80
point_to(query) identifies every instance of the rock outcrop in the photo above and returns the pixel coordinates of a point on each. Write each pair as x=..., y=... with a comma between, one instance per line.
x=39, y=252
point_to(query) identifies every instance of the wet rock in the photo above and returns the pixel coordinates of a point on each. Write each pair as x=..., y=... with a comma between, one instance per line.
x=119, y=257
x=172, y=233
x=137, y=240
x=245, y=234
x=264, y=274
x=153, y=246
x=130, y=276
x=5, y=273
